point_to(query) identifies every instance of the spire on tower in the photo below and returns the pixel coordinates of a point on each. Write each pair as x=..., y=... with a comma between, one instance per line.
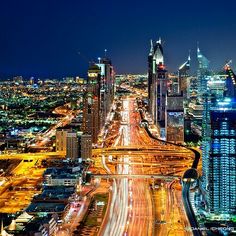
x=152, y=48
x=198, y=50
x=189, y=56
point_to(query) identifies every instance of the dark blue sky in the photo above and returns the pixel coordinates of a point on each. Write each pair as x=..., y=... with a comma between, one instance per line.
x=42, y=37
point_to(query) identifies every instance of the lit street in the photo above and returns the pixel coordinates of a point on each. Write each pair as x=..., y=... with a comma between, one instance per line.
x=134, y=202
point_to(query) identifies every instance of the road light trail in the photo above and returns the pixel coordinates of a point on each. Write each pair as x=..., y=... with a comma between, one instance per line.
x=129, y=201
x=131, y=204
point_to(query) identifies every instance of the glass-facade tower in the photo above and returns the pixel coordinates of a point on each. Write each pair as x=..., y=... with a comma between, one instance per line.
x=202, y=73
x=222, y=160
x=219, y=146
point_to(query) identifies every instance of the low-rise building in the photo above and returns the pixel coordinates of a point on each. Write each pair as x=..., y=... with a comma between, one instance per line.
x=66, y=176
x=32, y=225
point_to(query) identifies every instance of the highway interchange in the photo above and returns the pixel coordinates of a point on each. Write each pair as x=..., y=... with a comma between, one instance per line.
x=143, y=206
x=144, y=175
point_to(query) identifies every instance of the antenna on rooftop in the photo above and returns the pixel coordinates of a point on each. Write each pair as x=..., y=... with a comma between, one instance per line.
x=198, y=50
x=189, y=54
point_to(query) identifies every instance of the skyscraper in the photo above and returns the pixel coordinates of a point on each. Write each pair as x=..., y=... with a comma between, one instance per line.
x=86, y=146
x=174, y=120
x=72, y=145
x=183, y=77
x=222, y=158
x=219, y=148
x=202, y=72
x=157, y=83
x=106, y=87
x=61, y=135
x=230, y=81
x=91, y=115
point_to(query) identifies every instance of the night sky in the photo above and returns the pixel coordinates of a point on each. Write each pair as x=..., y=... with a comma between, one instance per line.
x=43, y=37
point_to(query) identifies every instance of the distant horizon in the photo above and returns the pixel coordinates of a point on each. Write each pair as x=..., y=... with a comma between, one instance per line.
x=84, y=73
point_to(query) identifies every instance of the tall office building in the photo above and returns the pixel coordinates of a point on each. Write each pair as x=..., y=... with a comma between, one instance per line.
x=202, y=72
x=161, y=91
x=173, y=87
x=91, y=115
x=174, y=125
x=219, y=146
x=72, y=145
x=230, y=81
x=222, y=159
x=106, y=87
x=61, y=135
x=98, y=97
x=157, y=83
x=150, y=75
x=86, y=146
x=183, y=77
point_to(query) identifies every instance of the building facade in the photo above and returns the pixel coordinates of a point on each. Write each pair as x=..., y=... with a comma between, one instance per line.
x=86, y=146
x=219, y=148
x=106, y=88
x=91, y=115
x=157, y=83
x=61, y=137
x=98, y=97
x=202, y=72
x=72, y=145
x=183, y=77
x=222, y=160
x=174, y=118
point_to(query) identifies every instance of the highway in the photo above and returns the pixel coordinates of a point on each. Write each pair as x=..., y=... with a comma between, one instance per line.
x=186, y=182
x=135, y=176
x=189, y=209
x=133, y=202
x=170, y=218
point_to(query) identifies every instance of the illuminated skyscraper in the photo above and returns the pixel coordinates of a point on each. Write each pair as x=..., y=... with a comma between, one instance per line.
x=98, y=98
x=202, y=73
x=157, y=83
x=174, y=120
x=230, y=81
x=61, y=134
x=72, y=145
x=183, y=77
x=222, y=158
x=106, y=87
x=86, y=146
x=91, y=116
x=219, y=147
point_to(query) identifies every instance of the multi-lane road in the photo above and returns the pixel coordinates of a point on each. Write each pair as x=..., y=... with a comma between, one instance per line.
x=136, y=207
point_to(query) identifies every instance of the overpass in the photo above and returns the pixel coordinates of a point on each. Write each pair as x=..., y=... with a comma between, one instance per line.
x=187, y=183
x=33, y=156
x=176, y=164
x=189, y=210
x=162, y=148
x=137, y=176
x=130, y=150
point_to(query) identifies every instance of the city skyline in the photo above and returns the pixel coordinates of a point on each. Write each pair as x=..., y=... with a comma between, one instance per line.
x=56, y=39
x=117, y=119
